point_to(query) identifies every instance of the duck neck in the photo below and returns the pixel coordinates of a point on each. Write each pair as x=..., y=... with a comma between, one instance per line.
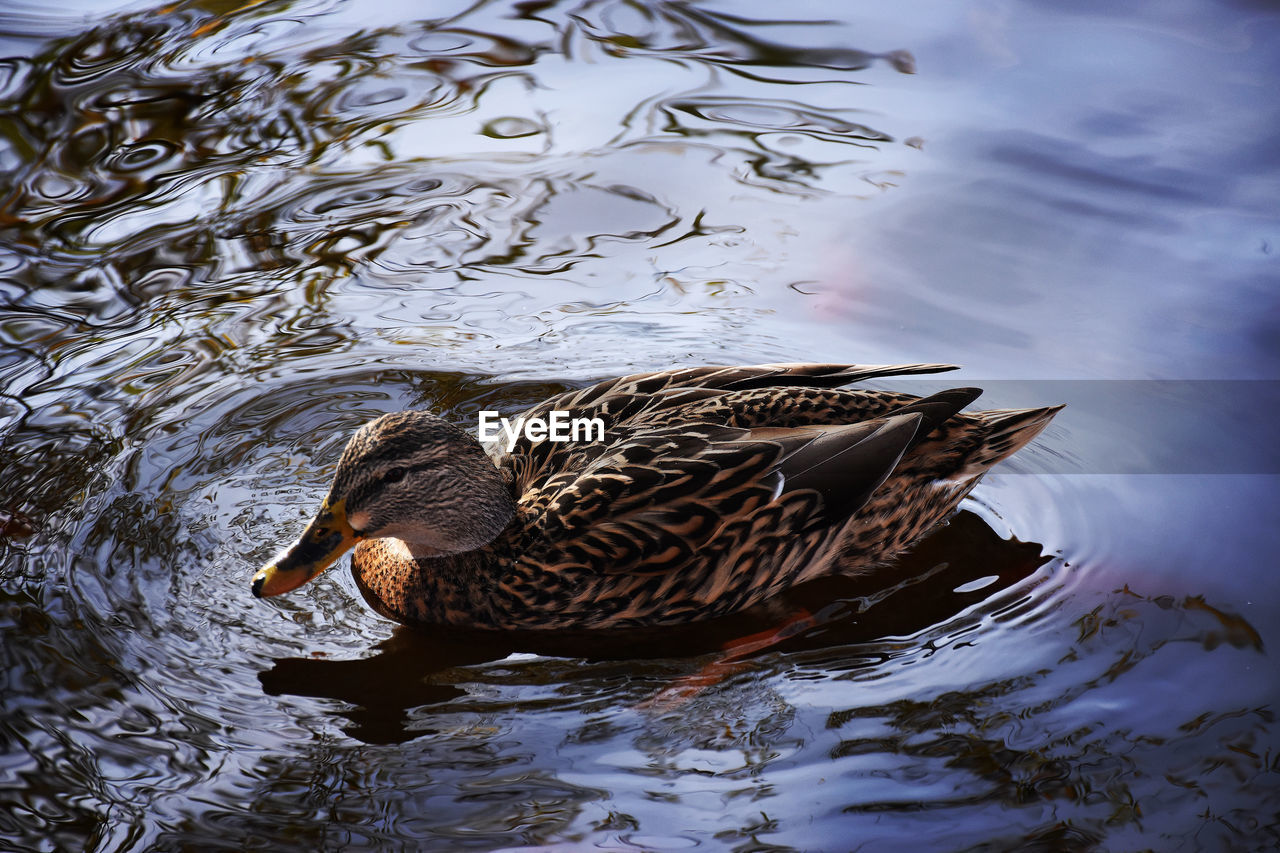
x=452, y=589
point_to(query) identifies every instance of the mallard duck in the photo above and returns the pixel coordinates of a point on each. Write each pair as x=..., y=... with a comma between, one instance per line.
x=712, y=489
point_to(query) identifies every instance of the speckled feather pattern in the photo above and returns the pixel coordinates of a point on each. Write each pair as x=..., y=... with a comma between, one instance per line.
x=714, y=489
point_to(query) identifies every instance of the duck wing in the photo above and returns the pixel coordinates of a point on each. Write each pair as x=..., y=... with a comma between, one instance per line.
x=752, y=395
x=663, y=500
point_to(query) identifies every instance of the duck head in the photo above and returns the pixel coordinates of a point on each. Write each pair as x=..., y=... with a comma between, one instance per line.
x=411, y=476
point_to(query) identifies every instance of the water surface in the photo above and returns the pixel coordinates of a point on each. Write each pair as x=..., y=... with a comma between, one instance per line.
x=231, y=233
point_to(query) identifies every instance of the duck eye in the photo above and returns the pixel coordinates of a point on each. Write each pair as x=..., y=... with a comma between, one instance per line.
x=393, y=475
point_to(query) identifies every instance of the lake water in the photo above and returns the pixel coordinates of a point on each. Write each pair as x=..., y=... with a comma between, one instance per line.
x=232, y=232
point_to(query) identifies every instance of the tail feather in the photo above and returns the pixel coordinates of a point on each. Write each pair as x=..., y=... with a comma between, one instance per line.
x=1006, y=432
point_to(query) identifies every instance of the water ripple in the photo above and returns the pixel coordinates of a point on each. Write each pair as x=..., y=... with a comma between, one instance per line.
x=231, y=236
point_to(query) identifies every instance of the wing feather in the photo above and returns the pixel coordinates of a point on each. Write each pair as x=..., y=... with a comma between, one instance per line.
x=648, y=399
x=619, y=516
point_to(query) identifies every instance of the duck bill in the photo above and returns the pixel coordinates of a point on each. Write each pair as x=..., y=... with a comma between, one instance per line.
x=327, y=537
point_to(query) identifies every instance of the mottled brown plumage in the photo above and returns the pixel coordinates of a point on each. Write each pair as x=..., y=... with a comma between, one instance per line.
x=713, y=489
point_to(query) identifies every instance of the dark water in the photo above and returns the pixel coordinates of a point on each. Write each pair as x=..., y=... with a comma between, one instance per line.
x=232, y=232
